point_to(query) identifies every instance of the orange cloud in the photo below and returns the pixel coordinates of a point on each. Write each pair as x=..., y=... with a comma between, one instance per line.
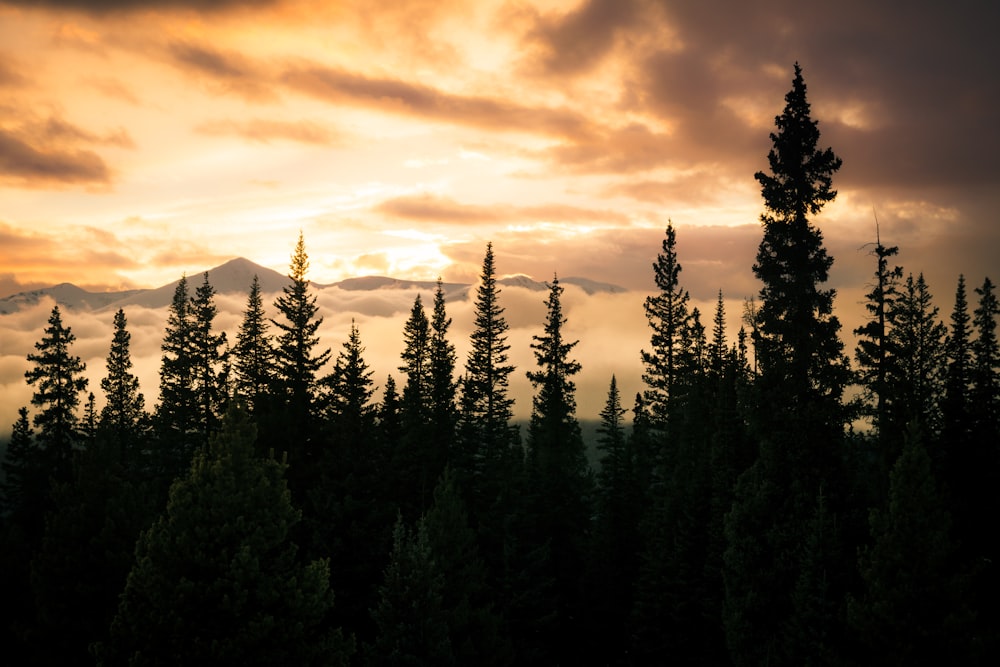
x=265, y=131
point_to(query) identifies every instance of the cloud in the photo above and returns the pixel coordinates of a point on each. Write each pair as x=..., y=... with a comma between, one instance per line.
x=433, y=208
x=412, y=99
x=11, y=72
x=265, y=131
x=26, y=165
x=109, y=6
x=574, y=42
x=230, y=71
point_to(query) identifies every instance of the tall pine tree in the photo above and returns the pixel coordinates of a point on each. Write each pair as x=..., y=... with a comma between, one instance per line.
x=802, y=376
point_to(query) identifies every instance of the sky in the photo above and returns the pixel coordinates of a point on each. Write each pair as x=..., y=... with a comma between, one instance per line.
x=143, y=140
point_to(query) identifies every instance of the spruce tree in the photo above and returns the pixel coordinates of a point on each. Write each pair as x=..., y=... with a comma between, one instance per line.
x=124, y=414
x=58, y=379
x=255, y=354
x=177, y=411
x=616, y=541
x=558, y=492
x=802, y=376
x=668, y=316
x=443, y=411
x=217, y=578
x=485, y=430
x=916, y=365
x=913, y=608
x=296, y=360
x=23, y=472
x=873, y=335
x=420, y=459
x=412, y=624
x=206, y=360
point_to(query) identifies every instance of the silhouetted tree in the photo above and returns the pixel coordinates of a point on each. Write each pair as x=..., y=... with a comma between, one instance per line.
x=58, y=379
x=559, y=484
x=913, y=608
x=217, y=579
x=443, y=411
x=206, y=360
x=412, y=625
x=177, y=411
x=255, y=354
x=297, y=362
x=669, y=318
x=123, y=418
x=803, y=373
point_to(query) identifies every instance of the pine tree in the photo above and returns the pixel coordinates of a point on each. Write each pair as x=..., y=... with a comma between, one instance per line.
x=255, y=354
x=297, y=362
x=58, y=381
x=616, y=536
x=916, y=364
x=486, y=410
x=474, y=628
x=217, y=579
x=177, y=412
x=124, y=414
x=558, y=493
x=873, y=343
x=412, y=625
x=24, y=474
x=206, y=360
x=443, y=411
x=802, y=376
x=420, y=459
x=668, y=316
x=350, y=391
x=913, y=608
x=986, y=363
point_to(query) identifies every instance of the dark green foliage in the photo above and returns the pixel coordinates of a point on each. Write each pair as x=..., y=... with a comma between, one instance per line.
x=297, y=362
x=873, y=344
x=798, y=415
x=419, y=460
x=616, y=540
x=559, y=484
x=913, y=608
x=23, y=470
x=123, y=418
x=474, y=628
x=669, y=318
x=206, y=369
x=486, y=410
x=178, y=407
x=916, y=363
x=216, y=578
x=443, y=411
x=58, y=380
x=412, y=625
x=255, y=354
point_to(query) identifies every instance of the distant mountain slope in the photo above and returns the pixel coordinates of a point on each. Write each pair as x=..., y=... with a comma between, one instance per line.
x=68, y=296
x=235, y=276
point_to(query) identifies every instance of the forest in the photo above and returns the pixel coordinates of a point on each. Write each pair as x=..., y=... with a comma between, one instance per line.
x=772, y=500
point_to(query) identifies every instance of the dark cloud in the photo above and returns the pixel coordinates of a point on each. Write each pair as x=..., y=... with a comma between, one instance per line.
x=431, y=208
x=23, y=164
x=265, y=131
x=574, y=42
x=402, y=97
x=229, y=71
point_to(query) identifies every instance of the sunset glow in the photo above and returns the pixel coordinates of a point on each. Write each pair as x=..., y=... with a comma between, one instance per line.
x=140, y=141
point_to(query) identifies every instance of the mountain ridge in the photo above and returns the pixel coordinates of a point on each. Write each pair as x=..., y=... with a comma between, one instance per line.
x=236, y=275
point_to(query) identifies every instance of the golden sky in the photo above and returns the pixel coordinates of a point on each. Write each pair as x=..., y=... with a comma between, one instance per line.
x=140, y=140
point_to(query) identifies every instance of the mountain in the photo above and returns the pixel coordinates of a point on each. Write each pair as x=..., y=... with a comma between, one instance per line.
x=235, y=276
x=67, y=295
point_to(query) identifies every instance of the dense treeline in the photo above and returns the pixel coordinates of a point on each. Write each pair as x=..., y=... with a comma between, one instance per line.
x=751, y=508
